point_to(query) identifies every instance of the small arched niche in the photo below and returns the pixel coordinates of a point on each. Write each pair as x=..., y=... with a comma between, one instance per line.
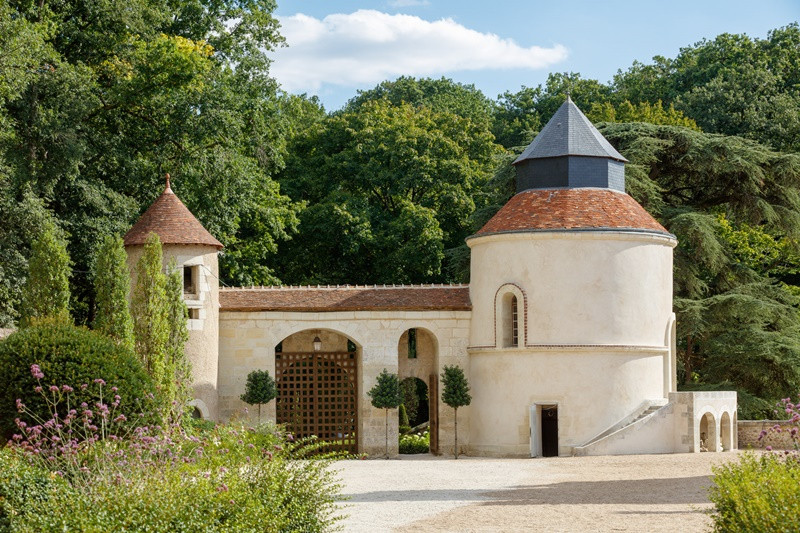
x=510, y=317
x=726, y=432
x=708, y=433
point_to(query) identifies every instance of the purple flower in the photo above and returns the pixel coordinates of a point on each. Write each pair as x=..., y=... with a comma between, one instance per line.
x=769, y=448
x=53, y=388
x=223, y=488
x=114, y=389
x=38, y=389
x=66, y=388
x=37, y=372
x=84, y=386
x=100, y=382
x=20, y=405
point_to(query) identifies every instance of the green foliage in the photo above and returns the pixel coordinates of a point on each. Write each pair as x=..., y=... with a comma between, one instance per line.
x=402, y=417
x=625, y=111
x=67, y=355
x=237, y=480
x=259, y=389
x=112, y=284
x=408, y=388
x=415, y=443
x=390, y=189
x=46, y=291
x=151, y=326
x=757, y=494
x=177, y=391
x=385, y=394
x=455, y=391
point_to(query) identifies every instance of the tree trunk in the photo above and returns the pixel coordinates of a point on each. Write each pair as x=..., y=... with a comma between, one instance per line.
x=456, y=431
x=259, y=413
x=687, y=366
x=387, y=433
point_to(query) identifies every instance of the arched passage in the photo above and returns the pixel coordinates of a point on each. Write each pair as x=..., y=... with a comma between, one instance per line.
x=418, y=359
x=726, y=431
x=708, y=433
x=316, y=374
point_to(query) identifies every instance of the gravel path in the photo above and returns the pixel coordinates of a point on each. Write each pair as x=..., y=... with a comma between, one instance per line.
x=647, y=493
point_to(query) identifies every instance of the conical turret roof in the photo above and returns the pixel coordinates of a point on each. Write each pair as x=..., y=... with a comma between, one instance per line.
x=172, y=222
x=567, y=133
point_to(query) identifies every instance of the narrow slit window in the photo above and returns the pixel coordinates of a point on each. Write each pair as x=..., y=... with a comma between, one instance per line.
x=514, y=322
x=190, y=274
x=412, y=343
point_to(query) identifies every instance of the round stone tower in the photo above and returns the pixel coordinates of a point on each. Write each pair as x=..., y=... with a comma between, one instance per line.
x=571, y=289
x=195, y=252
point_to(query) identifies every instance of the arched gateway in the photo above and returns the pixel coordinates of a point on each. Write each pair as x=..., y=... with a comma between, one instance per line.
x=316, y=374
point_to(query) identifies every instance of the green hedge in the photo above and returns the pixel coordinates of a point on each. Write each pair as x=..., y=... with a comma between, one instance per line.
x=759, y=494
x=415, y=443
x=67, y=355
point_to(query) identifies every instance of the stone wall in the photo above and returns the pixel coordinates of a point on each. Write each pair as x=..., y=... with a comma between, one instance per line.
x=247, y=342
x=749, y=431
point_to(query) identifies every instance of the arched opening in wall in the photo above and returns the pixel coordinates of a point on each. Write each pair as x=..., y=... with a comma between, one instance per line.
x=316, y=374
x=708, y=433
x=726, y=432
x=418, y=370
x=509, y=317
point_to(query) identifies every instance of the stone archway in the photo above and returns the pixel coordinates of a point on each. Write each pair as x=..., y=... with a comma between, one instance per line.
x=316, y=374
x=418, y=357
x=726, y=432
x=708, y=433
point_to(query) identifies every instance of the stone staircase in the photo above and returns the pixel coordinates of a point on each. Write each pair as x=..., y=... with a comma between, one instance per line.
x=608, y=442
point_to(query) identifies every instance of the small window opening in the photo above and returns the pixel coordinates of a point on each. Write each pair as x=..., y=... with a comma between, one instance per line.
x=190, y=279
x=514, y=322
x=412, y=343
x=351, y=346
x=197, y=414
x=193, y=313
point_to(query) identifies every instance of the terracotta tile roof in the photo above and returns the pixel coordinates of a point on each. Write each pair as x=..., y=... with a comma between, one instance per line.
x=579, y=208
x=172, y=222
x=347, y=298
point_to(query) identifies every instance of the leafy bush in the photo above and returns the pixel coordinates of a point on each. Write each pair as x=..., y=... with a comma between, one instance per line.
x=228, y=479
x=415, y=443
x=66, y=355
x=757, y=494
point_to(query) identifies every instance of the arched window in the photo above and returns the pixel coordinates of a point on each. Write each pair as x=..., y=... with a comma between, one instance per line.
x=510, y=317
x=514, y=322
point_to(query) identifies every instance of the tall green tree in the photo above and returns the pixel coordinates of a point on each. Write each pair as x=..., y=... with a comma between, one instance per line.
x=386, y=395
x=178, y=379
x=112, y=285
x=455, y=393
x=151, y=327
x=45, y=295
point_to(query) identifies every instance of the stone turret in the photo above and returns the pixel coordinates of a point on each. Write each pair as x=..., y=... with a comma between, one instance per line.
x=195, y=252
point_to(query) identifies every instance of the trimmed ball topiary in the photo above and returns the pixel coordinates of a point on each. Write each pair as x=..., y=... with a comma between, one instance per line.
x=68, y=355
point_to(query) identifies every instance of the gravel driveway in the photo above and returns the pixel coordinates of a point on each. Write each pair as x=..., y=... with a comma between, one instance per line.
x=648, y=493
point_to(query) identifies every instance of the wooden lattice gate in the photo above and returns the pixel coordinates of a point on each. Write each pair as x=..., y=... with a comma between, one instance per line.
x=318, y=395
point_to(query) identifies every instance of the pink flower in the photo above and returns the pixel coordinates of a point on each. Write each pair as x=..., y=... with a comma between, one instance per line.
x=37, y=372
x=769, y=448
x=20, y=405
x=53, y=388
x=66, y=388
x=100, y=382
x=38, y=389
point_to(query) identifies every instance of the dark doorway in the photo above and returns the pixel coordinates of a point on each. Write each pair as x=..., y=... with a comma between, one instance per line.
x=550, y=431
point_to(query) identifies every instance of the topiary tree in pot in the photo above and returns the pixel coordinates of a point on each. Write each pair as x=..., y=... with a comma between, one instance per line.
x=386, y=395
x=455, y=394
x=259, y=389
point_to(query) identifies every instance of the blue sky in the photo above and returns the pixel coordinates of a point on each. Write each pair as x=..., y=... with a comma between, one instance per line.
x=338, y=47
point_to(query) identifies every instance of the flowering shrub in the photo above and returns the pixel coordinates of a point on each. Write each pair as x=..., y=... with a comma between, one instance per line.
x=760, y=492
x=76, y=473
x=66, y=355
x=415, y=443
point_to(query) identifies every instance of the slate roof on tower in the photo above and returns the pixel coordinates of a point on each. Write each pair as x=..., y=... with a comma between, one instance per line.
x=172, y=222
x=569, y=132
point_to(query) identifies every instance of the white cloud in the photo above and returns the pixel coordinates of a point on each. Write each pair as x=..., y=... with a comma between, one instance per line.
x=370, y=46
x=408, y=3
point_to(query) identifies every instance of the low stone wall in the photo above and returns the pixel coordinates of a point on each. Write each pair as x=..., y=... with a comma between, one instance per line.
x=749, y=431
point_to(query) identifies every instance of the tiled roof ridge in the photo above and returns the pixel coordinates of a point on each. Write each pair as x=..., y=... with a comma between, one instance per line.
x=350, y=287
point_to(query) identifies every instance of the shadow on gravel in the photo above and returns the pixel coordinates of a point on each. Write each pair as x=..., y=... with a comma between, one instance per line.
x=462, y=495
x=685, y=490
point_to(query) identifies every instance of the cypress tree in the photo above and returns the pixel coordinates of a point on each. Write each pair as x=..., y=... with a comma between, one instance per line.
x=112, y=283
x=149, y=309
x=46, y=294
x=259, y=389
x=178, y=377
x=386, y=395
x=455, y=393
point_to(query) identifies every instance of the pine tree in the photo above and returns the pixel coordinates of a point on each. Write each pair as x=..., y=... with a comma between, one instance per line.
x=46, y=292
x=112, y=283
x=149, y=309
x=386, y=395
x=178, y=368
x=259, y=389
x=455, y=393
